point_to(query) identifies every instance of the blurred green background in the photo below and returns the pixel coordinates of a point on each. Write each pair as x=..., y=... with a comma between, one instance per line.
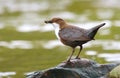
x=27, y=44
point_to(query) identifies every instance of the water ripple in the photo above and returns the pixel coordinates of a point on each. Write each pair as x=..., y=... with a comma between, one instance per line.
x=110, y=57
x=22, y=44
x=17, y=44
x=7, y=74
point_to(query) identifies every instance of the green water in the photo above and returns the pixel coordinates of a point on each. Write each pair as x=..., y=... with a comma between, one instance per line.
x=23, y=51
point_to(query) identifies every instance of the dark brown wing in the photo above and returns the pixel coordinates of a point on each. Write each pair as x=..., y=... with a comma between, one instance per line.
x=73, y=34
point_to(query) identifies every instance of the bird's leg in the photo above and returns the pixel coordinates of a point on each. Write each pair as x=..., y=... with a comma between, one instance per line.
x=73, y=50
x=79, y=52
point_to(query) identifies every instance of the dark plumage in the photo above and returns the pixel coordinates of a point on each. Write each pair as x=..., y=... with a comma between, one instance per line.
x=74, y=36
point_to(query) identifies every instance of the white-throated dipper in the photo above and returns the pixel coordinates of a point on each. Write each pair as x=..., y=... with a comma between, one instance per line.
x=73, y=36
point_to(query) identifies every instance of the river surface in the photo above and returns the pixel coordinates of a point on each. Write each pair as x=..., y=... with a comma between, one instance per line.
x=27, y=44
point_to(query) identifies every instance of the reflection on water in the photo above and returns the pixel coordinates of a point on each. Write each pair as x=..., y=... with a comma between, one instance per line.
x=22, y=44
x=105, y=44
x=105, y=14
x=17, y=44
x=31, y=28
x=29, y=12
x=52, y=44
x=110, y=57
x=107, y=3
x=7, y=74
x=27, y=28
x=91, y=52
x=65, y=15
x=23, y=5
x=117, y=23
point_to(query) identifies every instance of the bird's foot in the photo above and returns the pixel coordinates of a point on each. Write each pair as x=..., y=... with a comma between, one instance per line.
x=77, y=57
x=68, y=61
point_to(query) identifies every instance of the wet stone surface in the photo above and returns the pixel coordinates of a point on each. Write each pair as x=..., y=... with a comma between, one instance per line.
x=77, y=68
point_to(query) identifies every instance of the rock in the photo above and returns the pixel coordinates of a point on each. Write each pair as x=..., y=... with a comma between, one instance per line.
x=77, y=68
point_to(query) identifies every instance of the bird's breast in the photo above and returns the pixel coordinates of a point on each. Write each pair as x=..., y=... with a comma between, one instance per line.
x=56, y=28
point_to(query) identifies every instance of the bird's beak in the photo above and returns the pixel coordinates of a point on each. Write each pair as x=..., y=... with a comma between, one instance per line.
x=48, y=22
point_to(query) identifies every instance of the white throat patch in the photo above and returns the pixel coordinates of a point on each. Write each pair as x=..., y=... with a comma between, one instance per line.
x=57, y=28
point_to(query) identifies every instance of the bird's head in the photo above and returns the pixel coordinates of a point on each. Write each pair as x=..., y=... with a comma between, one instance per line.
x=57, y=23
x=56, y=20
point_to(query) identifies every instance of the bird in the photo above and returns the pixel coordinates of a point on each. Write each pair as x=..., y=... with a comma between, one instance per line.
x=71, y=35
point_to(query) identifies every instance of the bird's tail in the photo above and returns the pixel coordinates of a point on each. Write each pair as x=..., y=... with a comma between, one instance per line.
x=92, y=32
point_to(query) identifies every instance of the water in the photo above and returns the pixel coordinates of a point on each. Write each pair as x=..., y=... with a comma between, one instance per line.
x=7, y=74
x=28, y=44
